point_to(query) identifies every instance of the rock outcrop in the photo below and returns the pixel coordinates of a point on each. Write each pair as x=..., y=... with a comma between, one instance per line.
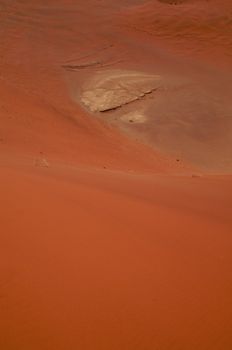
x=112, y=89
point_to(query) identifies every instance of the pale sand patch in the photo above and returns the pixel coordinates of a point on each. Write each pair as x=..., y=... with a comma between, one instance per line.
x=114, y=88
x=137, y=117
x=41, y=162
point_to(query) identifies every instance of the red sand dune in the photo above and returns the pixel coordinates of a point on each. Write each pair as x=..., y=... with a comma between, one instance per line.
x=115, y=235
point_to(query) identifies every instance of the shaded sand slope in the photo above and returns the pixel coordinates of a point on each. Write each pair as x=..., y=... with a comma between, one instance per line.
x=191, y=27
x=34, y=128
x=37, y=113
x=189, y=44
x=105, y=242
x=50, y=50
x=92, y=258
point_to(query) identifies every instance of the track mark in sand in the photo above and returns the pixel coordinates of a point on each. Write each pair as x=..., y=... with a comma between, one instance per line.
x=73, y=67
x=101, y=58
x=96, y=52
x=76, y=67
x=110, y=90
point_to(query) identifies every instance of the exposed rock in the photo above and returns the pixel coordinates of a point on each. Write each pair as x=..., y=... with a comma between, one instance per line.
x=115, y=88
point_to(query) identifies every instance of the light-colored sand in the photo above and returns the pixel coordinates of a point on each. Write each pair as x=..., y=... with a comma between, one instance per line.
x=106, y=243
x=134, y=117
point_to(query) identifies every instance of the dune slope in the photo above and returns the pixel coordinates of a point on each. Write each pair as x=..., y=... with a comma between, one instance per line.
x=115, y=225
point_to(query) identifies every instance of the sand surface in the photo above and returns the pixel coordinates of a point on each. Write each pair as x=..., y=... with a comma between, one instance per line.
x=116, y=222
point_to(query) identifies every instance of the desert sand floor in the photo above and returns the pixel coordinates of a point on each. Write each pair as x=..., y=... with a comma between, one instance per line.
x=115, y=219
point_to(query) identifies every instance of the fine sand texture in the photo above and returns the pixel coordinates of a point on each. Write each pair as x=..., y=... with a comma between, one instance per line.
x=115, y=175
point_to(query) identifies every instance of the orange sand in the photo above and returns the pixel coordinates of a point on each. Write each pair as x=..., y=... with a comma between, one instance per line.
x=107, y=242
